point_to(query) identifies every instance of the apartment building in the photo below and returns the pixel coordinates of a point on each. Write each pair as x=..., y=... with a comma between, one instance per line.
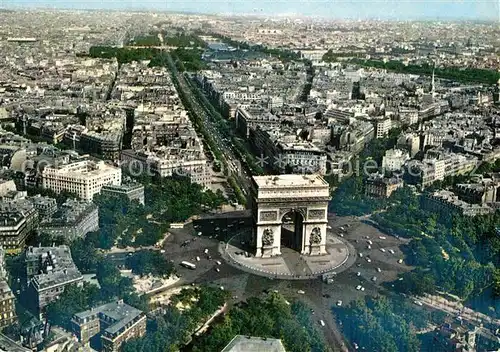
x=382, y=128
x=18, y=219
x=446, y=203
x=166, y=162
x=115, y=322
x=84, y=178
x=133, y=191
x=394, y=159
x=379, y=186
x=49, y=270
x=7, y=307
x=301, y=157
x=74, y=219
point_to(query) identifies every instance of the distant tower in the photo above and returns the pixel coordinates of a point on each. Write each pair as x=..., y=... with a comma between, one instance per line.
x=23, y=120
x=433, y=82
x=496, y=93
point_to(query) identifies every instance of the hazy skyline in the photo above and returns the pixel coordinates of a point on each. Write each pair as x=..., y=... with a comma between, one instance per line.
x=352, y=9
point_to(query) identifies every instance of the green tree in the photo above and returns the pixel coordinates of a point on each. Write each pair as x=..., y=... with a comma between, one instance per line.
x=149, y=262
x=74, y=299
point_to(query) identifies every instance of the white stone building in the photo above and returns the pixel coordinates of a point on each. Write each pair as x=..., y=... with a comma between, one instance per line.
x=84, y=178
x=394, y=159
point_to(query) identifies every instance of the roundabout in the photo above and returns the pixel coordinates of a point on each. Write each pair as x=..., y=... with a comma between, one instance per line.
x=290, y=265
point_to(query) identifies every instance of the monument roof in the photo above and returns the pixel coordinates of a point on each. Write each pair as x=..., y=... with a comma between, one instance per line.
x=290, y=180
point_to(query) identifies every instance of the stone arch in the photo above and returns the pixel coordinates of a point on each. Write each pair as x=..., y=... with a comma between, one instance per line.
x=305, y=197
x=293, y=237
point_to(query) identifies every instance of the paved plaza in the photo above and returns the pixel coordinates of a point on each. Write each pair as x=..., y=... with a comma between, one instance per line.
x=291, y=264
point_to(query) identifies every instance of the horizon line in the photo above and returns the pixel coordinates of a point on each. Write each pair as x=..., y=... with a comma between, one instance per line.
x=148, y=9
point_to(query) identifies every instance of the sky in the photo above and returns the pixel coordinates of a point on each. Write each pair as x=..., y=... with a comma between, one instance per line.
x=336, y=9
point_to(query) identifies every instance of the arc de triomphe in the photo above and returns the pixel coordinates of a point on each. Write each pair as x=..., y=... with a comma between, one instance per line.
x=303, y=198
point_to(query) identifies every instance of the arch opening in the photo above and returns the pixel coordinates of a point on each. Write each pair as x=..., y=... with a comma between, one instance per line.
x=292, y=230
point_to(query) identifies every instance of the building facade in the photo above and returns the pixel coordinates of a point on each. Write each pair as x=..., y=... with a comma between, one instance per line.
x=446, y=203
x=49, y=270
x=133, y=191
x=7, y=306
x=379, y=186
x=382, y=128
x=18, y=220
x=115, y=322
x=394, y=159
x=73, y=220
x=84, y=178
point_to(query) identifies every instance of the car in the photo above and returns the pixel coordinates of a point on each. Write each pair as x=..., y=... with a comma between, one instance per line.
x=369, y=242
x=374, y=278
x=300, y=292
x=197, y=259
x=199, y=233
x=339, y=303
x=358, y=273
x=382, y=237
x=379, y=270
x=369, y=247
x=418, y=303
x=222, y=288
x=382, y=250
x=361, y=255
x=391, y=251
x=368, y=260
x=205, y=251
x=358, y=287
x=400, y=261
x=322, y=323
x=362, y=288
x=217, y=269
x=328, y=227
x=162, y=251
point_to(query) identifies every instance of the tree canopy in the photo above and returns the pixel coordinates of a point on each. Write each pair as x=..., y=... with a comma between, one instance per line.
x=388, y=324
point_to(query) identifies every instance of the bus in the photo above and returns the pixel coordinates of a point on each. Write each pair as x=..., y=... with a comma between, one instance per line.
x=188, y=265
